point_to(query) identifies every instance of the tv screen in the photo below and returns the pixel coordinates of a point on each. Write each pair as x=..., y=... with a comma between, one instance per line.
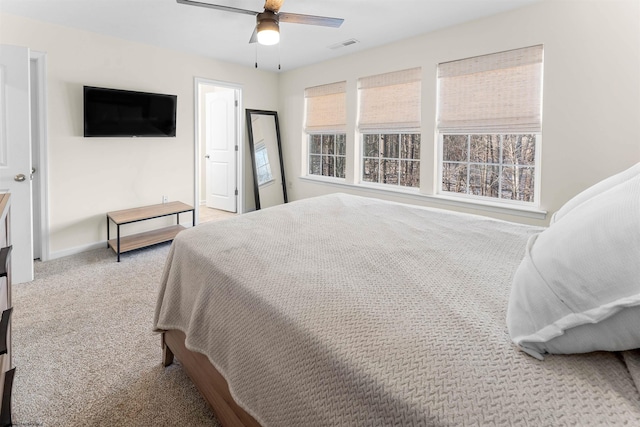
x=124, y=113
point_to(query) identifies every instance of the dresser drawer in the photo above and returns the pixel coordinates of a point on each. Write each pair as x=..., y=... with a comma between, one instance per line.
x=4, y=295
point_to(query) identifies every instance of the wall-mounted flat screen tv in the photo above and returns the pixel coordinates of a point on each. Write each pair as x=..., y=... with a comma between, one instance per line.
x=125, y=113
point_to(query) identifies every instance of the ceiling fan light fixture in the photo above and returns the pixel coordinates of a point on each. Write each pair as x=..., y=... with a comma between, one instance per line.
x=268, y=37
x=268, y=28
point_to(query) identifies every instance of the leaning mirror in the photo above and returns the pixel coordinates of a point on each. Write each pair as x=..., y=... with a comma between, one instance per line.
x=266, y=158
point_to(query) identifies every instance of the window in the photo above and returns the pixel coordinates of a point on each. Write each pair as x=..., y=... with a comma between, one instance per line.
x=489, y=124
x=263, y=167
x=391, y=159
x=327, y=154
x=389, y=123
x=325, y=125
x=498, y=166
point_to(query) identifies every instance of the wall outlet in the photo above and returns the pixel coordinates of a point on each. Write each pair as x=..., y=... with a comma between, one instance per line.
x=165, y=199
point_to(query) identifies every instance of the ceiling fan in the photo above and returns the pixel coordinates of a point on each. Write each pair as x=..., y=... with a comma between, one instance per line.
x=267, y=30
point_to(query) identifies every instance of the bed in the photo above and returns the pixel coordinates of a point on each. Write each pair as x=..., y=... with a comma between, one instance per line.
x=346, y=310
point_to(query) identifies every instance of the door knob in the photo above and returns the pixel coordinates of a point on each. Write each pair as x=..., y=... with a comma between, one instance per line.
x=206, y=157
x=20, y=177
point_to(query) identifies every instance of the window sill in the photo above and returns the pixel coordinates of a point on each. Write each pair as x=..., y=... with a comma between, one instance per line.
x=489, y=206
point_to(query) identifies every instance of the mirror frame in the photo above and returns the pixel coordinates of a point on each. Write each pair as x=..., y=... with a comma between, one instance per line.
x=249, y=113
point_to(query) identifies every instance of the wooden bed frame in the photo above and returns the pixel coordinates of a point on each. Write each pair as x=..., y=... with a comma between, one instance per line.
x=208, y=380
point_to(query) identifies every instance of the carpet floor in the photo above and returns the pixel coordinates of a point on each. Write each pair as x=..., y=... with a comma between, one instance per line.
x=84, y=350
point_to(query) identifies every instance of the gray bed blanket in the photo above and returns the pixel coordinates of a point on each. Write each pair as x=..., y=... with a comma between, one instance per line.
x=349, y=311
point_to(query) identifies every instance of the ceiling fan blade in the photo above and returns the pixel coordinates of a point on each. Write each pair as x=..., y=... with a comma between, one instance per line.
x=296, y=18
x=273, y=5
x=218, y=7
x=254, y=36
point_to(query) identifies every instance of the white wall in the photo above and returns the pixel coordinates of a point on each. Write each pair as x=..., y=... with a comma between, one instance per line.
x=591, y=104
x=91, y=176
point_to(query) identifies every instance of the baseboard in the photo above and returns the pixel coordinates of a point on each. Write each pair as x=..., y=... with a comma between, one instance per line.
x=77, y=250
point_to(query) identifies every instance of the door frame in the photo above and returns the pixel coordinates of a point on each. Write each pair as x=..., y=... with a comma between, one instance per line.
x=39, y=94
x=239, y=143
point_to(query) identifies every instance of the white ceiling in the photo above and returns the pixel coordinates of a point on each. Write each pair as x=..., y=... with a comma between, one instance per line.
x=225, y=36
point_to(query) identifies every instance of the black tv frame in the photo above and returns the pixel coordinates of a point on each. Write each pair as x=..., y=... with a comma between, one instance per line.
x=119, y=113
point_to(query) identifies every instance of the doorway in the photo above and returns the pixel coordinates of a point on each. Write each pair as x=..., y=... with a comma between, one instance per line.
x=219, y=168
x=39, y=153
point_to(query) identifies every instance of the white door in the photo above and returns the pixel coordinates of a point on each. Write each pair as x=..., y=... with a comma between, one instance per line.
x=220, y=134
x=15, y=155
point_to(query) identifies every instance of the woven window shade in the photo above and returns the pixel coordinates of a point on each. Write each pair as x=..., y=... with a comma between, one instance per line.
x=390, y=101
x=326, y=108
x=501, y=92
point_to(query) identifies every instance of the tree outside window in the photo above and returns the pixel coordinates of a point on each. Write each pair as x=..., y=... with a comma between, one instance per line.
x=327, y=154
x=391, y=158
x=501, y=166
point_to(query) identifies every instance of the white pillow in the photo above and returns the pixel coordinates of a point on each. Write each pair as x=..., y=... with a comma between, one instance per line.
x=578, y=287
x=596, y=189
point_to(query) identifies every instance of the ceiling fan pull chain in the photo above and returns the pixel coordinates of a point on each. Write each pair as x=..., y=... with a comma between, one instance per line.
x=278, y=56
x=256, y=55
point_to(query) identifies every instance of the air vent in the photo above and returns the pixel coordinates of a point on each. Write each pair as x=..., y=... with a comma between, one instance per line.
x=343, y=44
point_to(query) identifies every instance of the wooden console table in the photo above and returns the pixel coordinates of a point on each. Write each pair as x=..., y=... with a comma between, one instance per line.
x=147, y=238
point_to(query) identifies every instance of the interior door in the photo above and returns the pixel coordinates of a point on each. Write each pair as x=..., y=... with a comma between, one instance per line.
x=15, y=155
x=220, y=134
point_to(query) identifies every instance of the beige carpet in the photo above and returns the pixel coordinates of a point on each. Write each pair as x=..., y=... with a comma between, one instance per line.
x=84, y=351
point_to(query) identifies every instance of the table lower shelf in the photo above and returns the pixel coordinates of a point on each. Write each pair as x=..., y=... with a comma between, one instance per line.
x=148, y=238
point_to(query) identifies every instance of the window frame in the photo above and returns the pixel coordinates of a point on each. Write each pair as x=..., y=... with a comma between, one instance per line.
x=498, y=93
x=335, y=155
x=390, y=186
x=473, y=197
x=325, y=114
x=389, y=103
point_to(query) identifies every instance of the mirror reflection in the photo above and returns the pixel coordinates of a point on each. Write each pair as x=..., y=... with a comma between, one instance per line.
x=266, y=158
